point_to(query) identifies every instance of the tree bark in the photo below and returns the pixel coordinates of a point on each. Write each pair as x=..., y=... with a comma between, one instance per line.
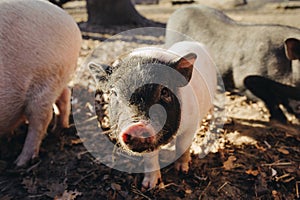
x=113, y=12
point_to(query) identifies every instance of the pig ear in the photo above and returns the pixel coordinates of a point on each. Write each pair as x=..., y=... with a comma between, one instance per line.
x=185, y=65
x=292, y=48
x=100, y=72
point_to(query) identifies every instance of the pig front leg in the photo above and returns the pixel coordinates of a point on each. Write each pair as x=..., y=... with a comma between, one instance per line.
x=39, y=117
x=64, y=106
x=152, y=174
x=182, y=164
x=183, y=143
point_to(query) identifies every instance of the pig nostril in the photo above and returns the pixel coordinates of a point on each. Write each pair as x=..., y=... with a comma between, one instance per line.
x=126, y=138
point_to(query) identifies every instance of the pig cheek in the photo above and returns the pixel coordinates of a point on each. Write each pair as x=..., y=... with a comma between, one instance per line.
x=114, y=106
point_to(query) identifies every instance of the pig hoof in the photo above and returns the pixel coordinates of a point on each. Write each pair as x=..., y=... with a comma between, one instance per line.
x=151, y=179
x=182, y=167
x=23, y=159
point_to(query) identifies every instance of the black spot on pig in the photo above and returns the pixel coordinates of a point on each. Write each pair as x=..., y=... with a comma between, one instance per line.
x=274, y=94
x=151, y=94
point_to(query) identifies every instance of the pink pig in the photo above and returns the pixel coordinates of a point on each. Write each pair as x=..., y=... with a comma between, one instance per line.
x=39, y=47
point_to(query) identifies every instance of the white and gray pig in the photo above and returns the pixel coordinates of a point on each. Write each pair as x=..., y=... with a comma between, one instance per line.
x=240, y=50
x=156, y=95
x=39, y=47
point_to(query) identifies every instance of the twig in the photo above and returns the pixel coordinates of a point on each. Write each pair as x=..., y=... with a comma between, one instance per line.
x=81, y=153
x=36, y=196
x=268, y=145
x=205, y=189
x=200, y=178
x=82, y=178
x=139, y=192
x=290, y=129
x=297, y=189
x=90, y=119
x=282, y=177
x=167, y=185
x=33, y=166
x=220, y=188
x=276, y=164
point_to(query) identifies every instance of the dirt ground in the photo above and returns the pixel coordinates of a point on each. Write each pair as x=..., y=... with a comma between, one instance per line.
x=251, y=158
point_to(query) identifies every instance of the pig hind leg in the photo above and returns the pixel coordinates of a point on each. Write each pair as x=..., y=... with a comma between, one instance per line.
x=39, y=116
x=272, y=93
x=64, y=106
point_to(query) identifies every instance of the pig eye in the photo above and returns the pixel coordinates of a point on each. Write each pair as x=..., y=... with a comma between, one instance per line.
x=165, y=95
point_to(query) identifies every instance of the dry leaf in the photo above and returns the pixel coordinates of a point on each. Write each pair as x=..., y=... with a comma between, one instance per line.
x=55, y=189
x=283, y=150
x=228, y=164
x=252, y=172
x=116, y=186
x=261, y=148
x=30, y=185
x=68, y=195
x=188, y=191
x=78, y=141
x=274, y=172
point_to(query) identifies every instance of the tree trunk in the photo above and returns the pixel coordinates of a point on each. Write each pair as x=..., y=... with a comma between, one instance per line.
x=59, y=2
x=113, y=12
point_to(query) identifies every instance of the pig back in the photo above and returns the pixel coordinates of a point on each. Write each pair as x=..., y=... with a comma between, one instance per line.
x=39, y=47
x=38, y=36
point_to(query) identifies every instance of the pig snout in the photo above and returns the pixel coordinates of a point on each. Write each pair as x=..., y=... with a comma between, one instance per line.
x=139, y=137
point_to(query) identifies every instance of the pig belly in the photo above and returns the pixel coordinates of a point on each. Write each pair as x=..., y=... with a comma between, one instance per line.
x=12, y=119
x=11, y=110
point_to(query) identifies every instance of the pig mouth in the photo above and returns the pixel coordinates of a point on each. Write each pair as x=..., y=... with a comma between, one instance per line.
x=139, y=144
